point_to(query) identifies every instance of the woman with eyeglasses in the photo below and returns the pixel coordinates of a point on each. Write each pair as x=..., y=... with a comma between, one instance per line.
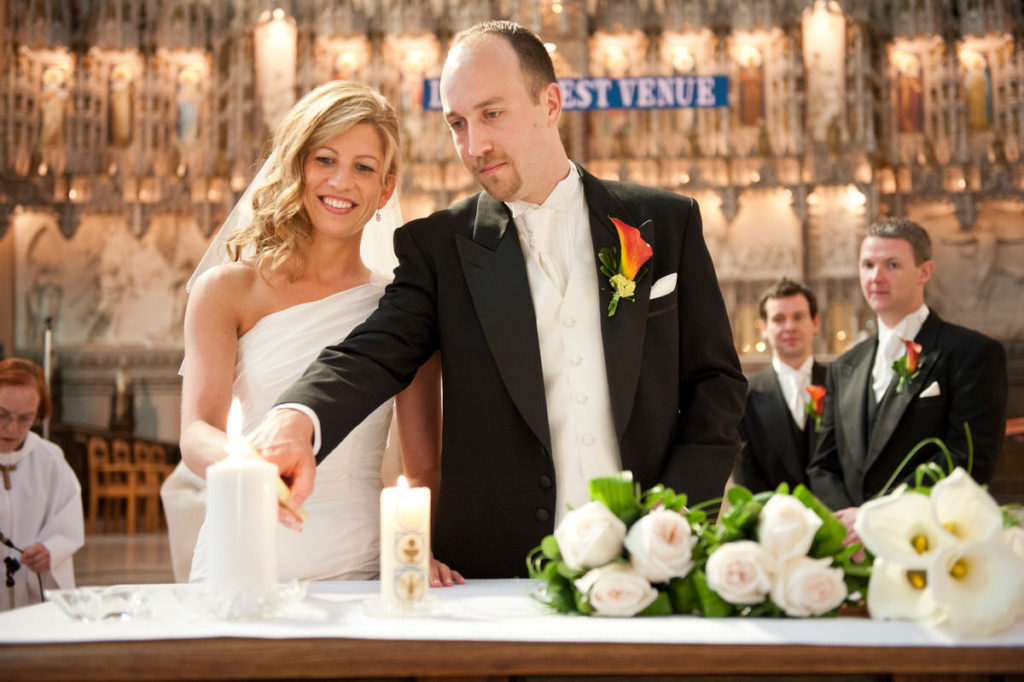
x=40, y=498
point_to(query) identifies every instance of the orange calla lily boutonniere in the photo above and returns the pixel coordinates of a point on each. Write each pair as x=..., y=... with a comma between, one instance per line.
x=628, y=270
x=906, y=367
x=815, y=407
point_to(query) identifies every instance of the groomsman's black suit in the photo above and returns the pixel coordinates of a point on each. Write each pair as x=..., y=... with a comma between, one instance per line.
x=461, y=287
x=863, y=442
x=774, y=449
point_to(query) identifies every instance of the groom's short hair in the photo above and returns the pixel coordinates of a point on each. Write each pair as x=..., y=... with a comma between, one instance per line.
x=534, y=61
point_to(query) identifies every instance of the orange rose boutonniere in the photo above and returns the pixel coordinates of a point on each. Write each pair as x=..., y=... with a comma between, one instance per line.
x=906, y=367
x=624, y=274
x=815, y=407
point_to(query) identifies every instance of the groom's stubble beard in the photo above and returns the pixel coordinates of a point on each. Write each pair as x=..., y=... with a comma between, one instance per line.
x=500, y=188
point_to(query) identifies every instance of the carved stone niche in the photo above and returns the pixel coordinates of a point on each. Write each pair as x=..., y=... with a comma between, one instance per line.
x=69, y=216
x=6, y=211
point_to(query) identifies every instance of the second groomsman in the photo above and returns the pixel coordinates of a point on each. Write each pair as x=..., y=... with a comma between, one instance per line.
x=777, y=430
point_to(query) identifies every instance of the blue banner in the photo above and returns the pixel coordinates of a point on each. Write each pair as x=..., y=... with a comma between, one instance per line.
x=644, y=92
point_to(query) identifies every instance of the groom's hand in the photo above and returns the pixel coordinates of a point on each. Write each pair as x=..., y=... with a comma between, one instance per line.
x=285, y=438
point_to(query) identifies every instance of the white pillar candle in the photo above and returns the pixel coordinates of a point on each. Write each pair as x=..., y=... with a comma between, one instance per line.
x=404, y=545
x=241, y=512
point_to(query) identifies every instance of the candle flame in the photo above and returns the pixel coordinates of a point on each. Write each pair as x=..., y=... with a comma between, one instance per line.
x=234, y=429
x=403, y=483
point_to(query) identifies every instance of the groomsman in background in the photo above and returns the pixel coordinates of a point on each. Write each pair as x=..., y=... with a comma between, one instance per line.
x=876, y=413
x=777, y=431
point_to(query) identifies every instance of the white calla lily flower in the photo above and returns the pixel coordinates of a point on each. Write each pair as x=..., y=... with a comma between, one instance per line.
x=980, y=586
x=902, y=529
x=898, y=593
x=965, y=509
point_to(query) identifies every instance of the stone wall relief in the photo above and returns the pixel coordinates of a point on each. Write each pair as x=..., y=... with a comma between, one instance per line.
x=103, y=286
x=837, y=216
x=979, y=273
x=764, y=240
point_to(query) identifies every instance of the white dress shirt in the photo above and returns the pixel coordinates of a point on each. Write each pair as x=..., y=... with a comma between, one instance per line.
x=891, y=348
x=563, y=275
x=793, y=382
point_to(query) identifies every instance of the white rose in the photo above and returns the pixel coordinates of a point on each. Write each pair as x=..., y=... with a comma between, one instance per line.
x=808, y=587
x=786, y=527
x=1013, y=538
x=616, y=590
x=590, y=536
x=741, y=572
x=660, y=545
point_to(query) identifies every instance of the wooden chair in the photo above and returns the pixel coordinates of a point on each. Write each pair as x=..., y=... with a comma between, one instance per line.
x=151, y=468
x=111, y=479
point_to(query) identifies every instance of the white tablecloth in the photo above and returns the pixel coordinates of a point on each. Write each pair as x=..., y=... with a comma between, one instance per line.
x=482, y=610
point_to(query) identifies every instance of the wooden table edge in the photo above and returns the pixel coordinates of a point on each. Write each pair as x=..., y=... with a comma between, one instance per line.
x=248, y=658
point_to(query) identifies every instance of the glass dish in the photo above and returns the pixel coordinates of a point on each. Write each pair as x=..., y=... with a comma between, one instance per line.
x=98, y=603
x=242, y=606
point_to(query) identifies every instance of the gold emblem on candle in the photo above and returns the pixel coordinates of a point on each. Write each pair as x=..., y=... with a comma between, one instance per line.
x=410, y=548
x=410, y=586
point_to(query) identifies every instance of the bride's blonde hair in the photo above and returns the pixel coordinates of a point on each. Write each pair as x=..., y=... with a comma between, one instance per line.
x=281, y=230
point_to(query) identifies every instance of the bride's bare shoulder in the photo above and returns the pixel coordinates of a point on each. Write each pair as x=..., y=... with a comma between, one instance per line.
x=227, y=280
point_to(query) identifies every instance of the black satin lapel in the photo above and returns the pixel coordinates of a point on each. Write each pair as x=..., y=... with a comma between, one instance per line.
x=851, y=402
x=497, y=282
x=894, y=405
x=623, y=333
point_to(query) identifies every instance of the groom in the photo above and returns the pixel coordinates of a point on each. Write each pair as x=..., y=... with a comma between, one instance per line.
x=543, y=389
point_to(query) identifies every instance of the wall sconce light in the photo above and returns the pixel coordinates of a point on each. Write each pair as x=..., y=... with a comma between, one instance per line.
x=683, y=60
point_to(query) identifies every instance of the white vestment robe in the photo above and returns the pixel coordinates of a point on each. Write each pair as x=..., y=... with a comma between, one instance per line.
x=43, y=505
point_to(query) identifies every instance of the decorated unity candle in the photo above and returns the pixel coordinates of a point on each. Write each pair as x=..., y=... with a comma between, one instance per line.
x=241, y=512
x=404, y=544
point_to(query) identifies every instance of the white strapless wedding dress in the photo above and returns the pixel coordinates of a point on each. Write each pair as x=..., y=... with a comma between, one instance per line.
x=341, y=538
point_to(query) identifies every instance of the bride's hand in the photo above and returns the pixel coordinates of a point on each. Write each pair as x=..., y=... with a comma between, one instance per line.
x=285, y=438
x=443, y=576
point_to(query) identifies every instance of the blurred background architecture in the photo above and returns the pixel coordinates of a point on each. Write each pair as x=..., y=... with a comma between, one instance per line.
x=129, y=127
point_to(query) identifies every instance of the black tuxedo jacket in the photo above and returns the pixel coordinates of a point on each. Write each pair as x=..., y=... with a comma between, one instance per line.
x=461, y=287
x=774, y=449
x=853, y=461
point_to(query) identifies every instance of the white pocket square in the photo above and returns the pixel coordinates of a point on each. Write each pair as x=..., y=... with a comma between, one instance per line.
x=664, y=286
x=932, y=390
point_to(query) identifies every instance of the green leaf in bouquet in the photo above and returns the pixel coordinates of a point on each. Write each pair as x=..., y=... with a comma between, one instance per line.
x=766, y=609
x=549, y=547
x=682, y=592
x=619, y=493
x=743, y=517
x=538, y=566
x=561, y=595
x=662, y=606
x=711, y=605
x=696, y=517
x=660, y=496
x=738, y=496
x=828, y=541
x=582, y=603
x=1012, y=515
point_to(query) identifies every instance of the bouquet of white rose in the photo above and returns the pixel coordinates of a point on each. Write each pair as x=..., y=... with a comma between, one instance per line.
x=629, y=553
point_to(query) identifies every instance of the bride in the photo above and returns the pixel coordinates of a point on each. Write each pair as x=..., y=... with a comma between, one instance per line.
x=296, y=283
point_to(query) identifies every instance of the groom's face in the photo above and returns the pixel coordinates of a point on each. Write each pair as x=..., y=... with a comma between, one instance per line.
x=501, y=134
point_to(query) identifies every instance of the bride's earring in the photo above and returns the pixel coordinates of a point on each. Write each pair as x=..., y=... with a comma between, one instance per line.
x=378, y=216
